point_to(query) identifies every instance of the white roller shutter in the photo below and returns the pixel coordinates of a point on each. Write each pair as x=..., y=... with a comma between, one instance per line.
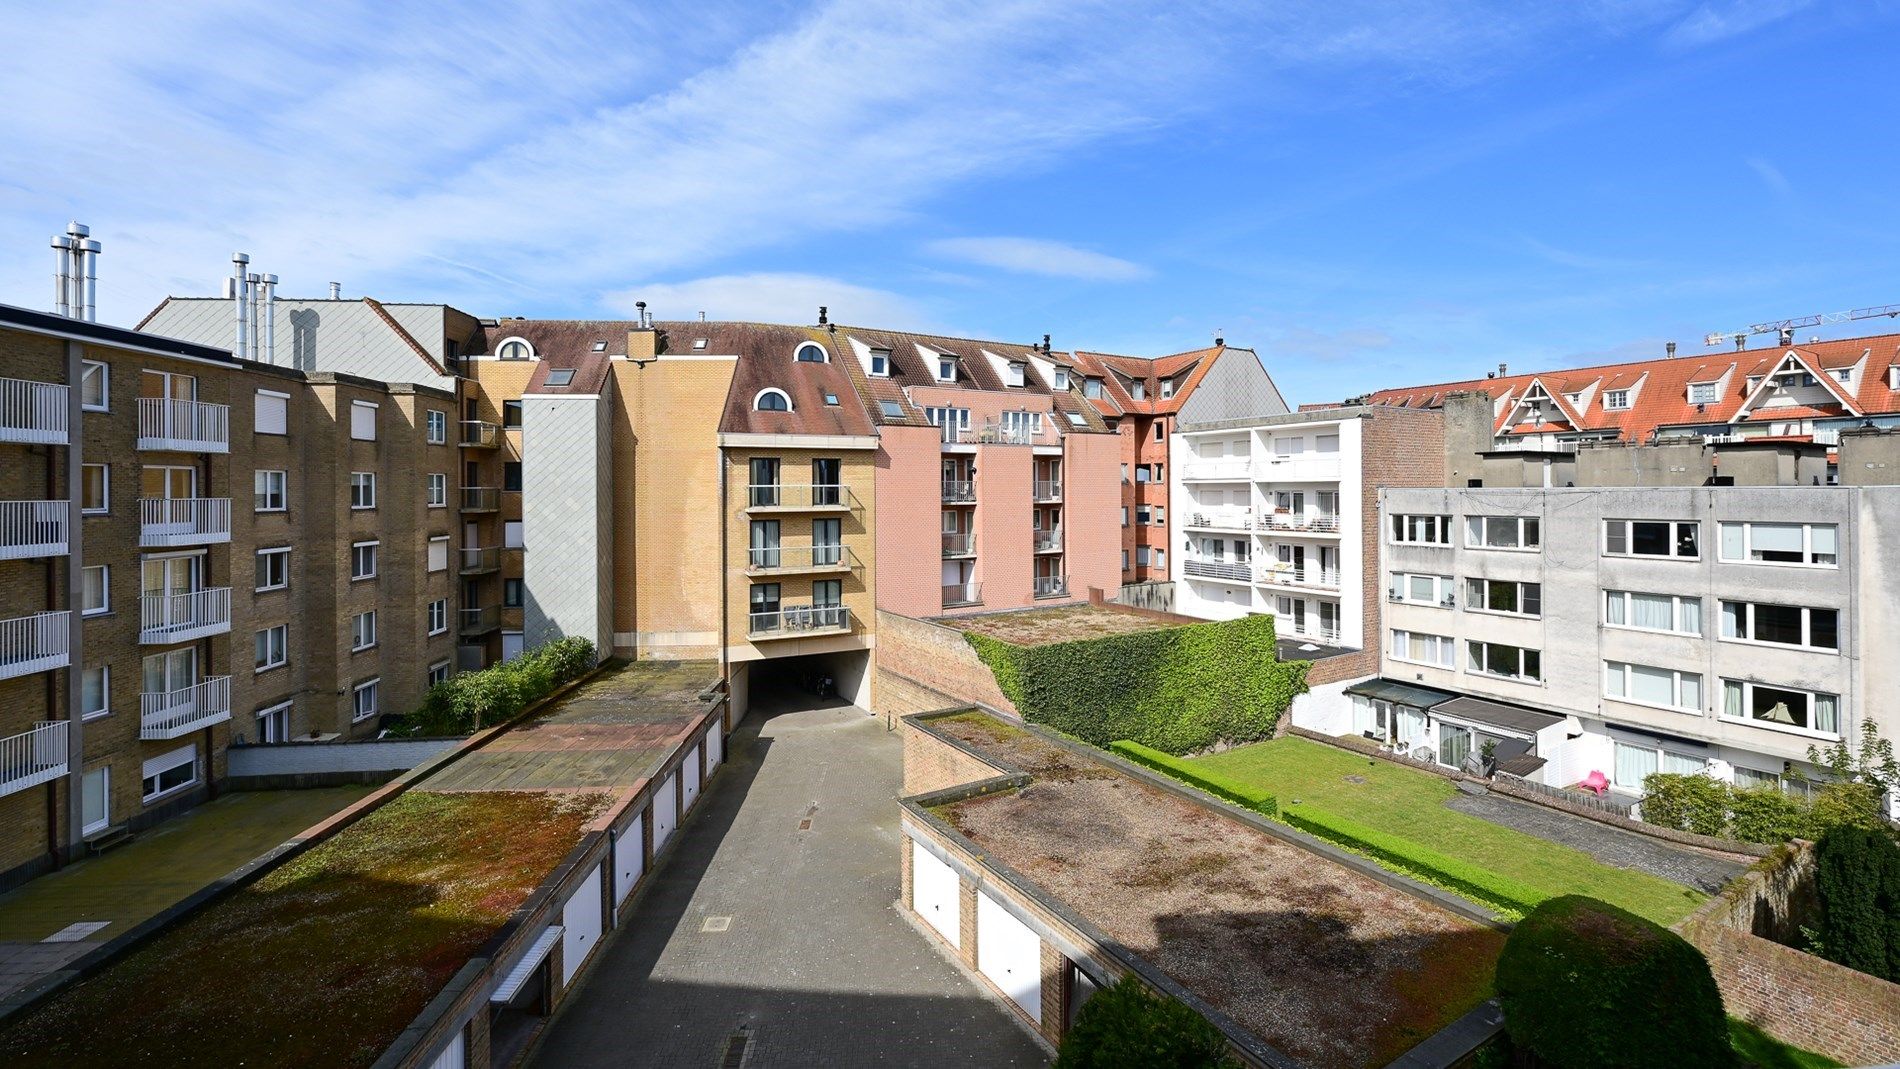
x=272, y=413
x=690, y=769
x=666, y=812
x=934, y=893
x=1009, y=954
x=362, y=421
x=629, y=859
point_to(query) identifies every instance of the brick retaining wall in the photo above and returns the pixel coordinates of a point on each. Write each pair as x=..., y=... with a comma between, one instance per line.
x=936, y=658
x=1802, y=999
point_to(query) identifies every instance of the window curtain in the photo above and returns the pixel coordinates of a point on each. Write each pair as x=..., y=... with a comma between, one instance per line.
x=1655, y=611
x=1682, y=764
x=1614, y=608
x=1827, y=715
x=1632, y=764
x=1731, y=699
x=1691, y=616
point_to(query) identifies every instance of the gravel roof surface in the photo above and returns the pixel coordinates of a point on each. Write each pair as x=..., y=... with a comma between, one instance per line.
x=1069, y=623
x=1331, y=967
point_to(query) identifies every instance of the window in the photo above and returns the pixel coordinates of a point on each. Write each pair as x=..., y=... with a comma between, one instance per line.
x=1652, y=612
x=772, y=400
x=1665, y=688
x=1420, y=589
x=1138, y=390
x=511, y=475
x=1419, y=648
x=1505, y=662
x=1141, y=514
x=511, y=415
x=1022, y=424
x=1327, y=443
x=273, y=724
x=561, y=376
x=95, y=692
x=954, y=421
x=173, y=771
x=810, y=353
x=1288, y=447
x=273, y=645
x=362, y=421
x=439, y=553
x=1781, y=625
x=1421, y=530
x=891, y=409
x=881, y=362
x=1141, y=473
x=268, y=490
x=438, y=489
x=363, y=630
x=1013, y=374
x=1704, y=393
x=1141, y=556
x=94, y=595
x=1501, y=532
x=1652, y=538
x=1161, y=430
x=1161, y=558
x=1091, y=387
x=511, y=593
x=1844, y=374
x=364, y=699
x=271, y=413
x=1815, y=544
x=95, y=488
x=946, y=369
x=273, y=569
x=437, y=424
x=438, y=616
x=827, y=481
x=1616, y=400
x=362, y=489
x=1503, y=595
x=1167, y=388
x=763, y=488
x=363, y=560
x=95, y=394
x=511, y=535
x=1783, y=707
x=438, y=673
x=1060, y=377
x=515, y=349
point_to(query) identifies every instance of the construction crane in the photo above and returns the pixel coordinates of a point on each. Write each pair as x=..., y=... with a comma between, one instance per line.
x=1785, y=328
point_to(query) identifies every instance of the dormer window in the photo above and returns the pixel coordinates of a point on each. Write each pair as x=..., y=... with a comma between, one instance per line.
x=514, y=349
x=1062, y=378
x=1091, y=387
x=1704, y=393
x=1167, y=388
x=1138, y=390
x=1753, y=381
x=881, y=362
x=1845, y=374
x=810, y=353
x=1014, y=375
x=946, y=369
x=772, y=399
x=1616, y=400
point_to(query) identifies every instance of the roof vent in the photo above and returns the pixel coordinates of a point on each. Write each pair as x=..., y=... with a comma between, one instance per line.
x=336, y=291
x=823, y=316
x=1504, y=369
x=1669, y=350
x=1219, y=341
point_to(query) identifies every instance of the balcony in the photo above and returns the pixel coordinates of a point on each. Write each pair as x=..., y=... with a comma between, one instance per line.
x=1223, y=470
x=34, y=529
x=1315, y=633
x=959, y=492
x=959, y=545
x=480, y=621
x=800, y=497
x=962, y=594
x=477, y=434
x=184, y=521
x=1237, y=571
x=1320, y=578
x=1240, y=519
x=1048, y=541
x=1052, y=586
x=799, y=560
x=166, y=618
x=799, y=621
x=184, y=426
x=1325, y=523
x=36, y=643
x=476, y=561
x=481, y=498
x=1301, y=467
x=1047, y=490
x=169, y=714
x=33, y=757
x=33, y=412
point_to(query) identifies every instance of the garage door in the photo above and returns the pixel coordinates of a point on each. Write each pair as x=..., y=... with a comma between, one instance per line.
x=1009, y=954
x=666, y=812
x=715, y=748
x=691, y=771
x=629, y=859
x=934, y=893
x=580, y=924
x=453, y=1056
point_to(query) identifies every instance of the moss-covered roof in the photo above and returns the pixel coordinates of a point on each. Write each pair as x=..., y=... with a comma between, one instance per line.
x=1066, y=623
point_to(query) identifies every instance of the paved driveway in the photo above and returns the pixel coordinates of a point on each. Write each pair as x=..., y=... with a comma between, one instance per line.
x=1613, y=846
x=813, y=962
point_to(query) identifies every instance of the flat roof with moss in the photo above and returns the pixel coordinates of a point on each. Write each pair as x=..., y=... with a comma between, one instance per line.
x=1065, y=623
x=1330, y=966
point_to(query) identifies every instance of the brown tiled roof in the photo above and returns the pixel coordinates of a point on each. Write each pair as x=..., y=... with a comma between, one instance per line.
x=910, y=368
x=1188, y=369
x=765, y=361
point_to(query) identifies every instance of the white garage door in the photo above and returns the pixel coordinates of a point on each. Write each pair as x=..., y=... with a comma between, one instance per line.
x=691, y=771
x=580, y=925
x=1009, y=954
x=453, y=1056
x=629, y=859
x=933, y=893
x=715, y=748
x=666, y=812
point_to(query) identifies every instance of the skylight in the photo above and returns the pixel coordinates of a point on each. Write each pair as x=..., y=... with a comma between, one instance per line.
x=699, y=343
x=561, y=376
x=891, y=409
x=1076, y=419
x=600, y=346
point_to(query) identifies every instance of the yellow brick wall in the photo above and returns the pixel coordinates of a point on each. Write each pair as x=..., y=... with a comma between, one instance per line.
x=858, y=470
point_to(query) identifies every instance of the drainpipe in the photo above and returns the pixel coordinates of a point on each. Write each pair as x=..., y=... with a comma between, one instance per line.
x=75, y=623
x=725, y=583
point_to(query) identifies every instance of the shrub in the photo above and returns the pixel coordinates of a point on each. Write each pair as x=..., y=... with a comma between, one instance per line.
x=1176, y=689
x=1126, y=1026
x=1694, y=803
x=1427, y=865
x=1766, y=815
x=1857, y=876
x=473, y=700
x=1585, y=984
x=1245, y=795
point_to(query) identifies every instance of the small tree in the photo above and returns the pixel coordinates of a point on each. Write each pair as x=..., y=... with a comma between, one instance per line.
x=1857, y=875
x=1126, y=1026
x=1874, y=770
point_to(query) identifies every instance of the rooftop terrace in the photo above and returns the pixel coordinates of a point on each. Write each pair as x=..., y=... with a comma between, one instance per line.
x=1066, y=623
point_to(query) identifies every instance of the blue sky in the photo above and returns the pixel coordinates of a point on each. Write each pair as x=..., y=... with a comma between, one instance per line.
x=1370, y=193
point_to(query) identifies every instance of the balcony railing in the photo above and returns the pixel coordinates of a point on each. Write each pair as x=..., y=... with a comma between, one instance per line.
x=1048, y=541
x=1052, y=586
x=1288, y=576
x=477, y=434
x=959, y=545
x=32, y=412
x=33, y=757
x=1048, y=490
x=480, y=498
x=480, y=621
x=35, y=643
x=797, y=621
x=184, y=521
x=959, y=491
x=1224, y=519
x=186, y=426
x=1325, y=636
x=801, y=497
x=476, y=560
x=1314, y=522
x=962, y=594
x=1218, y=569
x=1226, y=469
x=787, y=560
x=169, y=714
x=167, y=618
x=34, y=529
x=1301, y=467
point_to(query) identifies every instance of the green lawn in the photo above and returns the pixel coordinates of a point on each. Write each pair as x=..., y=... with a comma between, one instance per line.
x=1758, y=1048
x=1409, y=804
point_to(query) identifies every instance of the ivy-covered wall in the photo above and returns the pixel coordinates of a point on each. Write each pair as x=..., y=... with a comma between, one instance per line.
x=1177, y=689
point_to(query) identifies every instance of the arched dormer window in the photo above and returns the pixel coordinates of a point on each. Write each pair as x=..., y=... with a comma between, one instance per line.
x=514, y=349
x=772, y=399
x=810, y=353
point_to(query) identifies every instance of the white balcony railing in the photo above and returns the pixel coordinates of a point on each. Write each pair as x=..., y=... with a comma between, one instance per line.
x=481, y=498
x=959, y=491
x=1048, y=490
x=33, y=757
x=1325, y=636
x=1285, y=575
x=169, y=714
x=182, y=617
x=34, y=529
x=776, y=560
x=1301, y=467
x=32, y=412
x=36, y=643
x=801, y=497
x=959, y=545
x=962, y=594
x=1230, y=519
x=187, y=426
x=794, y=621
x=1218, y=569
x=478, y=559
x=477, y=434
x=184, y=521
x=1314, y=522
x=1224, y=469
x=1051, y=586
x=1048, y=541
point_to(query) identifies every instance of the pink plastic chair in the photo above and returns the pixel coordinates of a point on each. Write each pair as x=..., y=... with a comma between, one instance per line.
x=1595, y=782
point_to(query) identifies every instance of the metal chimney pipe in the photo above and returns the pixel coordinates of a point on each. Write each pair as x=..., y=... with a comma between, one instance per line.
x=242, y=299
x=63, y=274
x=336, y=291
x=270, y=319
x=256, y=288
x=89, y=255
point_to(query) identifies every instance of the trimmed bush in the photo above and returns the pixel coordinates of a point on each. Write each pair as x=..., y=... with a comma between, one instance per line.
x=1766, y=815
x=468, y=702
x=1419, y=862
x=1694, y=803
x=1176, y=689
x=1127, y=1026
x=1586, y=985
x=1245, y=795
x=1857, y=876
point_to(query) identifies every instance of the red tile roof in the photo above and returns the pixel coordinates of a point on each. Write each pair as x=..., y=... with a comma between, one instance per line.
x=1118, y=372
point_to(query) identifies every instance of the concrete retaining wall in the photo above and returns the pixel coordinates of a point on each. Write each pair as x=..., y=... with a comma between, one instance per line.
x=319, y=764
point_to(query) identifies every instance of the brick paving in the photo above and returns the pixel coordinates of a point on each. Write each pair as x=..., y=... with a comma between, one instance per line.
x=811, y=958
x=1612, y=846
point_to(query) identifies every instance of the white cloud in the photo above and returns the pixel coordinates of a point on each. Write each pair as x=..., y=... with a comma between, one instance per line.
x=1713, y=22
x=1033, y=256
x=769, y=298
x=1771, y=176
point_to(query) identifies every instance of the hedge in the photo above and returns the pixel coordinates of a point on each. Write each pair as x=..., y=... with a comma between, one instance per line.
x=1244, y=795
x=1427, y=865
x=1699, y=803
x=471, y=701
x=1857, y=878
x=1127, y=1026
x=1175, y=689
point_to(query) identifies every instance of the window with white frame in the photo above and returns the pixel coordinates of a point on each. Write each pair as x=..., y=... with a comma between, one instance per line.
x=273, y=647
x=268, y=490
x=1704, y=393
x=362, y=421
x=273, y=569
x=946, y=369
x=1672, y=613
x=1664, y=688
x=1781, y=707
x=810, y=353
x=1288, y=447
x=1421, y=530
x=1091, y=386
x=363, y=630
x=1013, y=374
x=438, y=490
x=95, y=692
x=362, y=489
x=273, y=723
x=1502, y=532
x=363, y=560
x=95, y=387
x=1061, y=378
x=436, y=425
x=438, y=673
x=271, y=413
x=1419, y=589
x=438, y=616
x=1635, y=762
x=1652, y=538
x=881, y=363
x=95, y=590
x=1161, y=558
x=1022, y=423
x=1813, y=544
x=95, y=489
x=1504, y=596
x=439, y=553
x=1419, y=648
x=1142, y=514
x=364, y=698
x=1782, y=625
x=1844, y=374
x=1504, y=661
x=171, y=772
x=1616, y=400
x=772, y=399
